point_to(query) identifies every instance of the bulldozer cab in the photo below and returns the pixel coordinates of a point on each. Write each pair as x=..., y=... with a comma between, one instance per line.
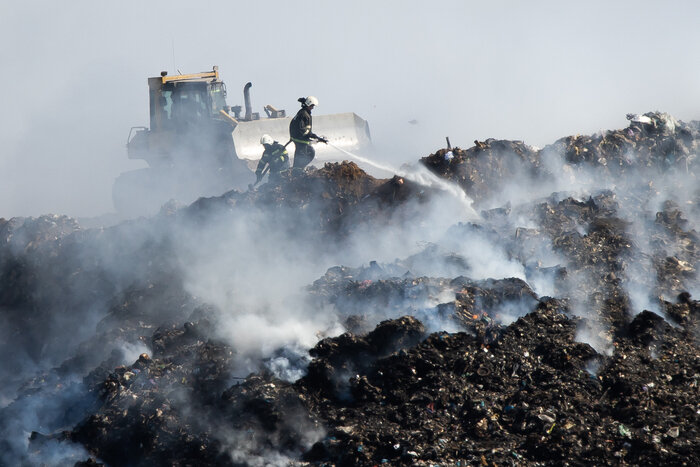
x=185, y=120
x=178, y=102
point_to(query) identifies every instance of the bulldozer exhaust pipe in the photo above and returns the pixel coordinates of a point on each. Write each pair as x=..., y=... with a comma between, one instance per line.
x=246, y=98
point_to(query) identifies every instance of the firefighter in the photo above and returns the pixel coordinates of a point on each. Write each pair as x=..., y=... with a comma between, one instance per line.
x=300, y=132
x=275, y=155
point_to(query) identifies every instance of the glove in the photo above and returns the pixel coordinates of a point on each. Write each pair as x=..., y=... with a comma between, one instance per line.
x=323, y=140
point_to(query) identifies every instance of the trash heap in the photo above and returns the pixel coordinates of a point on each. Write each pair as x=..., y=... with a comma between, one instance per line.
x=529, y=395
x=586, y=353
x=654, y=140
x=339, y=198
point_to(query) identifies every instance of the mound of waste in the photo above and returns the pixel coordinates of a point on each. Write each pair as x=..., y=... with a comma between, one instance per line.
x=654, y=140
x=528, y=394
x=558, y=326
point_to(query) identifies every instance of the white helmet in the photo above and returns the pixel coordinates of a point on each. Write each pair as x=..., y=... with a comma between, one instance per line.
x=311, y=100
x=266, y=139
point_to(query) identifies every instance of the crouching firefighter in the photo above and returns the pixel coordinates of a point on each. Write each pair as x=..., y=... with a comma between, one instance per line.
x=300, y=132
x=275, y=158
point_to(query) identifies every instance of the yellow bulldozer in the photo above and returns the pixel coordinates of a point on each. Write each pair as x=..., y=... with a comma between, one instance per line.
x=197, y=145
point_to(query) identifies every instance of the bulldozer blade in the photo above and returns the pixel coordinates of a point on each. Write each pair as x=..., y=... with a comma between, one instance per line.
x=344, y=130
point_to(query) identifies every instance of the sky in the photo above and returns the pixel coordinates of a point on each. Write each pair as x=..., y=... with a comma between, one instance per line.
x=75, y=75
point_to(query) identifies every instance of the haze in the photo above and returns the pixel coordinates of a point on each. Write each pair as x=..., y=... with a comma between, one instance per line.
x=75, y=73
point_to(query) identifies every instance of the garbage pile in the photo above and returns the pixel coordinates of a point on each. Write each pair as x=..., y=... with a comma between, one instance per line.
x=560, y=326
x=654, y=140
x=338, y=197
x=531, y=395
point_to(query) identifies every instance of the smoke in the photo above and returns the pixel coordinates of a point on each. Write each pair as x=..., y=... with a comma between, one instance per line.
x=130, y=351
x=288, y=364
x=256, y=265
x=246, y=449
x=55, y=452
x=60, y=321
x=485, y=255
x=594, y=333
x=51, y=407
x=509, y=312
x=252, y=266
x=63, y=147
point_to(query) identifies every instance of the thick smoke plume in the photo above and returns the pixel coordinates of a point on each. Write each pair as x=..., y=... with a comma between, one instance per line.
x=239, y=316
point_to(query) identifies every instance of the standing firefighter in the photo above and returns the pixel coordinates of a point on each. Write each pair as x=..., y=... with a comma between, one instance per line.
x=275, y=155
x=300, y=132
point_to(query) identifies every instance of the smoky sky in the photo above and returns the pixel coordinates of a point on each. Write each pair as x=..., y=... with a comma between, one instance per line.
x=74, y=75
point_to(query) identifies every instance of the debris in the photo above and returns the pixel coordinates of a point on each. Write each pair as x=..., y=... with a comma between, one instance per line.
x=429, y=368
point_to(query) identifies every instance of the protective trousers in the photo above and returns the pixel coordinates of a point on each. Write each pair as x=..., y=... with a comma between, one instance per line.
x=303, y=154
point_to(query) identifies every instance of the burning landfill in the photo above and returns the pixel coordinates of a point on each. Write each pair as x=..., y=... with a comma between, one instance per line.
x=546, y=317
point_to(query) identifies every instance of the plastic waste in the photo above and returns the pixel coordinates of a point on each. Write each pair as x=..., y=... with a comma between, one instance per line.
x=639, y=118
x=545, y=418
x=624, y=431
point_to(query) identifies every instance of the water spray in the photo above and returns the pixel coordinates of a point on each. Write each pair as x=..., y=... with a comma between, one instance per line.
x=365, y=160
x=422, y=176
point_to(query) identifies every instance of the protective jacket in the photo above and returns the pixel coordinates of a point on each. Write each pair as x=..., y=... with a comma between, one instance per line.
x=300, y=127
x=276, y=156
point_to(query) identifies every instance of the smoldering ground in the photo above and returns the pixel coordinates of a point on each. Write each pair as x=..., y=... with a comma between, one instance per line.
x=243, y=262
x=249, y=263
x=642, y=167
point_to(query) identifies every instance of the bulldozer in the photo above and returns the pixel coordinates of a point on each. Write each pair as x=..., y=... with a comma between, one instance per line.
x=196, y=145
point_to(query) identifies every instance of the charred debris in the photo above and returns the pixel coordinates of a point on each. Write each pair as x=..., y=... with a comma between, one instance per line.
x=435, y=364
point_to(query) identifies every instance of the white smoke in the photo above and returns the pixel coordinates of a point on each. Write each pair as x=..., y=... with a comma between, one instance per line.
x=254, y=264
